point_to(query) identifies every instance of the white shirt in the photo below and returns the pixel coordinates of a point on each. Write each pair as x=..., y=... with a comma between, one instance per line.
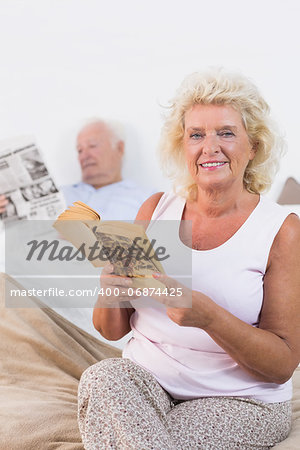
x=117, y=201
x=186, y=361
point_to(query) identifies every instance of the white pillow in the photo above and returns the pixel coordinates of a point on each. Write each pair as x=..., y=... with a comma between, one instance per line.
x=292, y=208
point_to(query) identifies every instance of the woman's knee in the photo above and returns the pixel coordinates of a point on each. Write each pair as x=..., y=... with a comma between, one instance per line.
x=101, y=369
x=106, y=371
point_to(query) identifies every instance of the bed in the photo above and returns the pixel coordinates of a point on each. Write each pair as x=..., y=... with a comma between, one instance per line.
x=42, y=357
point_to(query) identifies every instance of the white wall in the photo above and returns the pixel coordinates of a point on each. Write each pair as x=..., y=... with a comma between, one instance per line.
x=63, y=61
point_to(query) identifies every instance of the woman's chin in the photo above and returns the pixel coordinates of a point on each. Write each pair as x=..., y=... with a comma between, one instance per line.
x=213, y=183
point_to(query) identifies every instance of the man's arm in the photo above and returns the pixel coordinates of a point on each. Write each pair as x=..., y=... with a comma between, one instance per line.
x=3, y=203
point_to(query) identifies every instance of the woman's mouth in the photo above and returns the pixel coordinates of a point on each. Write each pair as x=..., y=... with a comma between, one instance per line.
x=213, y=164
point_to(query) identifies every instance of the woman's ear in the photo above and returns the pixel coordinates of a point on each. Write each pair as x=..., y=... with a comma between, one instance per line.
x=254, y=150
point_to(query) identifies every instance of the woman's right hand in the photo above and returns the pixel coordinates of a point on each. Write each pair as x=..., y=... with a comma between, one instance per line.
x=114, y=289
x=3, y=203
x=111, y=315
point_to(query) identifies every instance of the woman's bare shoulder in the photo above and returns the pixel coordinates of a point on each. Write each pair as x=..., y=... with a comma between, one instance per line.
x=148, y=207
x=289, y=233
x=287, y=240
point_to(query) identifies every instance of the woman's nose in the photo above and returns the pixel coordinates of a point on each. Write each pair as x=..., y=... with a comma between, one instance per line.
x=210, y=144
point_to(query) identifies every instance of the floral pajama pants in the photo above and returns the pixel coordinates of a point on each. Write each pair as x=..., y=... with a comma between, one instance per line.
x=122, y=406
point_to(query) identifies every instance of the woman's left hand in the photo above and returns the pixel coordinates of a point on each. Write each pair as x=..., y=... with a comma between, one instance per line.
x=187, y=308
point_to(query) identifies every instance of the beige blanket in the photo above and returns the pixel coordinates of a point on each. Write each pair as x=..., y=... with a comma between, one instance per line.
x=42, y=356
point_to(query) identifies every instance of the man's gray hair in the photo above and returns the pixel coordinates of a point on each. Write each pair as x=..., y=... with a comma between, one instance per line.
x=115, y=127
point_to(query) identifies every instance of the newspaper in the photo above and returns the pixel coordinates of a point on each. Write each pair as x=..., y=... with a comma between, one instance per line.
x=26, y=182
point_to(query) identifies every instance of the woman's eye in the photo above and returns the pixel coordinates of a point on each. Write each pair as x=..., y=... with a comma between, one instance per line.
x=196, y=136
x=226, y=133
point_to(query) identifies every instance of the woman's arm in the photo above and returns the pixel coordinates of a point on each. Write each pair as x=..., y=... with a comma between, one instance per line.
x=270, y=352
x=146, y=210
x=109, y=318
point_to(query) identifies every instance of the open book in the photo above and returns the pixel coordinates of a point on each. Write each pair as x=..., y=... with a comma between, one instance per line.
x=125, y=245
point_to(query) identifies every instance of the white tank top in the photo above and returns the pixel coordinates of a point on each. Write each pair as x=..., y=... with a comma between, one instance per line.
x=185, y=360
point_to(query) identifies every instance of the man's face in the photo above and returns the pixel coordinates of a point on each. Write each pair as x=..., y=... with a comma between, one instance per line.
x=99, y=156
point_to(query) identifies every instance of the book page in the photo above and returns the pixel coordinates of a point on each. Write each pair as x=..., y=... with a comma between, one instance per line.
x=79, y=211
x=127, y=257
x=81, y=235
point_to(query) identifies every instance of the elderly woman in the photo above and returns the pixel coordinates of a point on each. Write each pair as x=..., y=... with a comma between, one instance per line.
x=216, y=375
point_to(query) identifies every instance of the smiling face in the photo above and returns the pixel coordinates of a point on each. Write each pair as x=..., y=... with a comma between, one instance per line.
x=216, y=146
x=99, y=157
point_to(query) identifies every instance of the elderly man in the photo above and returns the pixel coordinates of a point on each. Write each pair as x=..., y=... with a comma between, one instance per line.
x=100, y=151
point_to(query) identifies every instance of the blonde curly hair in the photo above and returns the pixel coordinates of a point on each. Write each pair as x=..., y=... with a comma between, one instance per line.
x=219, y=87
